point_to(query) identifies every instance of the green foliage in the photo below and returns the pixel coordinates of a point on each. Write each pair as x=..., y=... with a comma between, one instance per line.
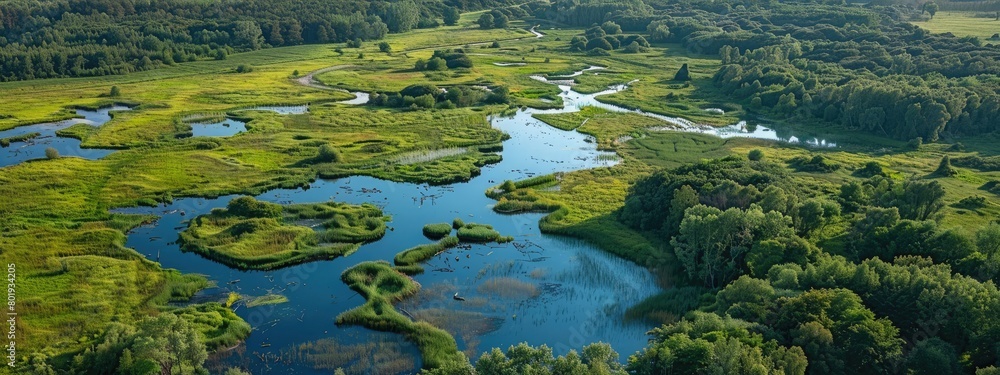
x=755, y=155
x=384, y=47
x=707, y=342
x=451, y=16
x=418, y=254
x=597, y=358
x=115, y=92
x=712, y=244
x=5, y=142
x=251, y=234
x=472, y=232
x=437, y=230
x=51, y=153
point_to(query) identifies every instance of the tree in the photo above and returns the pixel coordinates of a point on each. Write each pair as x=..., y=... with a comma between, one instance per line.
x=115, y=92
x=421, y=64
x=683, y=74
x=451, y=16
x=384, y=47
x=485, y=21
x=931, y=8
x=658, y=31
x=437, y=63
x=401, y=16
x=598, y=358
x=712, y=244
x=51, y=153
x=500, y=20
x=611, y=28
x=248, y=34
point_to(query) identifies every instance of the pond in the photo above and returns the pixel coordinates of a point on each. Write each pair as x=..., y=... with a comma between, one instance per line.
x=21, y=151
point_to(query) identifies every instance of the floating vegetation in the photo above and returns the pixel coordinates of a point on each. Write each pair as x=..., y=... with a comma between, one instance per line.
x=268, y=299
x=437, y=230
x=383, y=354
x=467, y=325
x=509, y=287
x=250, y=234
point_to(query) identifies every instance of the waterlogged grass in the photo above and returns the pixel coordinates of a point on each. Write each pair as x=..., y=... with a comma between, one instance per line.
x=220, y=326
x=481, y=233
x=381, y=285
x=509, y=288
x=609, y=128
x=382, y=355
x=437, y=230
x=4, y=142
x=267, y=299
x=268, y=236
x=417, y=254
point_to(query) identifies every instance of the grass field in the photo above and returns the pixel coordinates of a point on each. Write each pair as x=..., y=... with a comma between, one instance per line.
x=962, y=24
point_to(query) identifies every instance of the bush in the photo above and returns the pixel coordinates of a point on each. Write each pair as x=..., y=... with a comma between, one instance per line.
x=385, y=47
x=457, y=223
x=242, y=68
x=756, y=155
x=251, y=208
x=51, y=153
x=328, y=154
x=115, y=92
x=480, y=233
x=496, y=44
x=683, y=74
x=972, y=203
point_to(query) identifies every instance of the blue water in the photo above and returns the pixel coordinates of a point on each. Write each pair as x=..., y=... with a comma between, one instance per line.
x=225, y=128
x=582, y=291
x=19, y=152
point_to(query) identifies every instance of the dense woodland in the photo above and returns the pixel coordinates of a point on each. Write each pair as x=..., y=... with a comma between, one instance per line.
x=861, y=67
x=86, y=38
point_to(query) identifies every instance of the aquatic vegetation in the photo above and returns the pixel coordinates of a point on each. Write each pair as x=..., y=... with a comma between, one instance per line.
x=4, y=142
x=472, y=232
x=437, y=230
x=267, y=299
x=251, y=234
x=417, y=254
x=384, y=354
x=509, y=287
x=219, y=325
x=380, y=285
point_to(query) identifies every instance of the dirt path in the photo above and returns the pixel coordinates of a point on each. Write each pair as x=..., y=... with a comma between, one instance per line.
x=308, y=80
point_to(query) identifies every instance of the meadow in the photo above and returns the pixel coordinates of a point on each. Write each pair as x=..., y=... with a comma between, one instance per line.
x=962, y=24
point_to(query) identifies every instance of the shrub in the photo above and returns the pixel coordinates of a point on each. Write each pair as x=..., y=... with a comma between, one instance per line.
x=51, y=153
x=496, y=44
x=327, y=154
x=249, y=207
x=385, y=47
x=756, y=155
x=115, y=92
x=457, y=223
x=243, y=68
x=972, y=203
x=683, y=74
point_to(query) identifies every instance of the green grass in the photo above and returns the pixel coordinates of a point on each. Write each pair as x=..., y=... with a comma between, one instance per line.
x=437, y=231
x=249, y=240
x=417, y=254
x=481, y=233
x=268, y=299
x=381, y=285
x=219, y=326
x=962, y=24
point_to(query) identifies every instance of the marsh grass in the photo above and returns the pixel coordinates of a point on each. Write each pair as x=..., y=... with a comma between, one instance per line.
x=269, y=239
x=481, y=233
x=382, y=354
x=220, y=326
x=437, y=231
x=4, y=142
x=417, y=254
x=381, y=285
x=267, y=299
x=509, y=288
